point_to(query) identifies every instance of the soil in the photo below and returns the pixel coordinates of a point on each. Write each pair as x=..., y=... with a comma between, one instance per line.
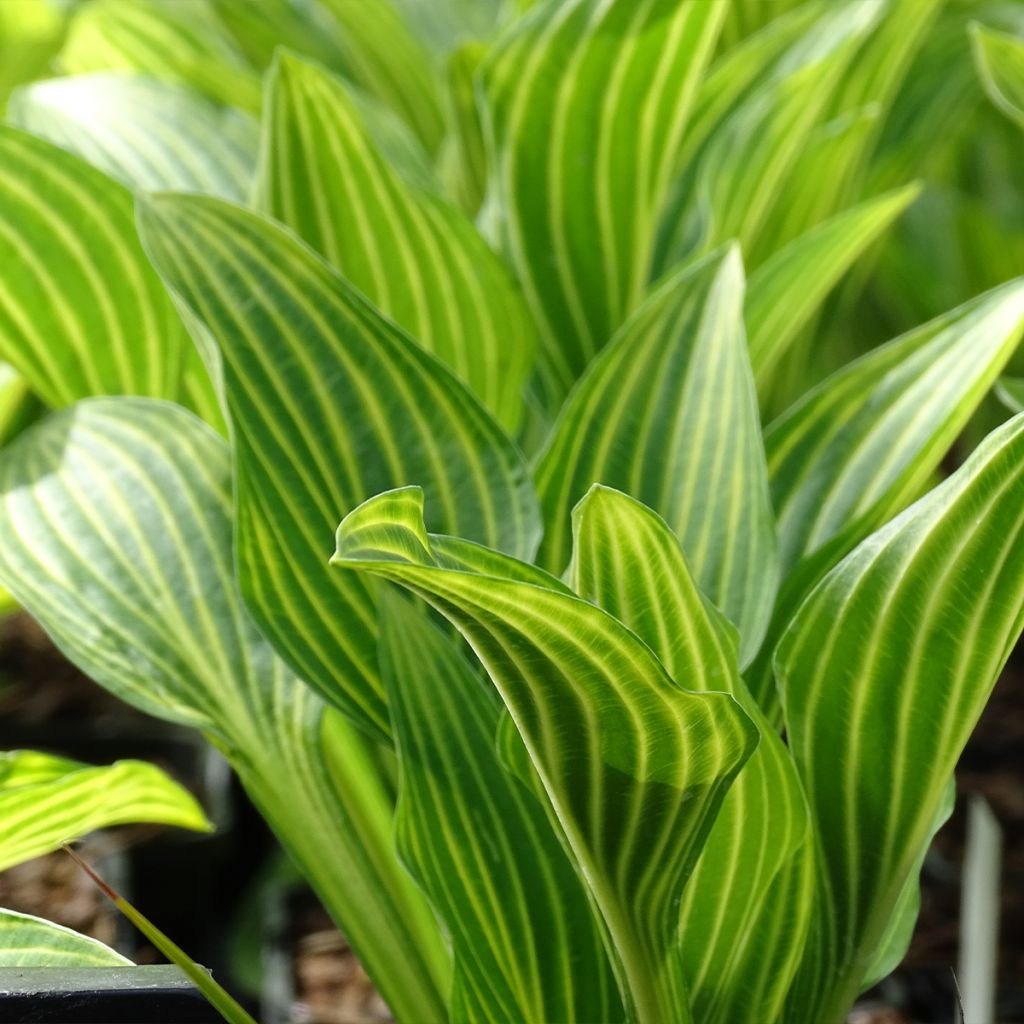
x=56, y=888
x=331, y=986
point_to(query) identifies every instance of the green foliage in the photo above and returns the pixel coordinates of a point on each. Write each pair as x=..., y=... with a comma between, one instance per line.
x=570, y=313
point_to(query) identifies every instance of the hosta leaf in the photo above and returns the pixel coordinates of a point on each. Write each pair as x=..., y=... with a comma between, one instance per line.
x=30, y=942
x=81, y=312
x=999, y=58
x=386, y=60
x=668, y=414
x=260, y=28
x=464, y=159
x=18, y=406
x=46, y=801
x=128, y=501
x=858, y=447
x=784, y=292
x=883, y=675
x=445, y=23
x=635, y=767
x=743, y=170
x=1010, y=391
x=147, y=134
x=738, y=963
x=480, y=845
x=586, y=105
x=419, y=260
x=871, y=434
x=171, y=40
x=330, y=403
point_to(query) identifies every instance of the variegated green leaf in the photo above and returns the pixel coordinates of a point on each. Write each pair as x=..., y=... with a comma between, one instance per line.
x=171, y=40
x=667, y=413
x=383, y=57
x=147, y=134
x=740, y=175
x=860, y=446
x=46, y=801
x=18, y=406
x=784, y=292
x=1010, y=391
x=419, y=260
x=739, y=957
x=30, y=942
x=329, y=402
x=81, y=312
x=883, y=674
x=479, y=844
x=128, y=501
x=999, y=58
x=635, y=767
x=464, y=159
x=586, y=104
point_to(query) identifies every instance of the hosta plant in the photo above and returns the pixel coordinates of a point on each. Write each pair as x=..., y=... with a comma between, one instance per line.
x=593, y=657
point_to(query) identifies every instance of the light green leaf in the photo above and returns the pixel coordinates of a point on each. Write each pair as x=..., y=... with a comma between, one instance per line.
x=737, y=958
x=170, y=40
x=999, y=58
x=81, y=312
x=147, y=134
x=857, y=448
x=784, y=292
x=386, y=60
x=330, y=403
x=586, y=105
x=260, y=28
x=18, y=406
x=47, y=801
x=419, y=260
x=1010, y=391
x=742, y=173
x=667, y=413
x=480, y=845
x=896, y=941
x=30, y=942
x=464, y=159
x=128, y=501
x=635, y=768
x=443, y=24
x=883, y=674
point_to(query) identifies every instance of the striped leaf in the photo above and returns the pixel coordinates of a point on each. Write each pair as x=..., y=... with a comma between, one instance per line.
x=1010, y=391
x=260, y=28
x=419, y=260
x=785, y=291
x=999, y=58
x=81, y=312
x=30, y=942
x=742, y=173
x=739, y=957
x=860, y=446
x=464, y=161
x=46, y=801
x=883, y=675
x=147, y=134
x=386, y=60
x=479, y=844
x=668, y=414
x=330, y=403
x=178, y=41
x=18, y=406
x=128, y=501
x=586, y=103
x=854, y=450
x=635, y=768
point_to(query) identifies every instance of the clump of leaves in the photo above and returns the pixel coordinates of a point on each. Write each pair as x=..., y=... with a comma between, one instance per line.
x=539, y=302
